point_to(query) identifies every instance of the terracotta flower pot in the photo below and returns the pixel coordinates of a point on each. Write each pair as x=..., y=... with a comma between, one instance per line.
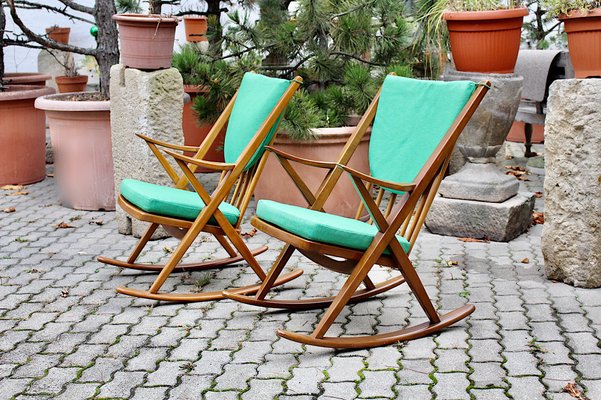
x=584, y=41
x=26, y=78
x=196, y=28
x=81, y=140
x=485, y=41
x=275, y=184
x=146, y=40
x=196, y=131
x=71, y=84
x=60, y=35
x=22, y=135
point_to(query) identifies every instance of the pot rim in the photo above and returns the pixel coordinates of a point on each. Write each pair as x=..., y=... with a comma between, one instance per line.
x=77, y=78
x=145, y=18
x=51, y=103
x=24, y=92
x=573, y=14
x=485, y=15
x=23, y=76
x=51, y=29
x=195, y=88
x=194, y=16
x=324, y=136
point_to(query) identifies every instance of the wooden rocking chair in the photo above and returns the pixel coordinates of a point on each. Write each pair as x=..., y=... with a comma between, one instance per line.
x=415, y=127
x=253, y=116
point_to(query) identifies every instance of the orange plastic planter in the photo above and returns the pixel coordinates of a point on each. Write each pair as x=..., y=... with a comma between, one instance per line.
x=196, y=28
x=584, y=41
x=485, y=41
x=71, y=84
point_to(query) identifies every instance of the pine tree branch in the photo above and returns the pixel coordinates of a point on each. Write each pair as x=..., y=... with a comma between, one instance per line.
x=28, y=5
x=43, y=40
x=352, y=10
x=340, y=53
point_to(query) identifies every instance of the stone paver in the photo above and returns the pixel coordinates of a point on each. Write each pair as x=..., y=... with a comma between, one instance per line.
x=65, y=333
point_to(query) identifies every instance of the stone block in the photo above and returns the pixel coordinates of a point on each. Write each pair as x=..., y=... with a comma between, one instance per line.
x=476, y=219
x=571, y=238
x=151, y=104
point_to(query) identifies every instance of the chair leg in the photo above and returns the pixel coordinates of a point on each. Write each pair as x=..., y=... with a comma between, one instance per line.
x=343, y=297
x=143, y=240
x=275, y=271
x=175, y=258
x=245, y=252
x=228, y=248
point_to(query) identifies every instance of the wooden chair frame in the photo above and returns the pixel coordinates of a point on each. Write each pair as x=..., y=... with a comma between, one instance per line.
x=235, y=181
x=405, y=217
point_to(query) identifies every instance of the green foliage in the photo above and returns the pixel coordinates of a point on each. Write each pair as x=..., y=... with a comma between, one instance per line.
x=559, y=7
x=342, y=50
x=128, y=6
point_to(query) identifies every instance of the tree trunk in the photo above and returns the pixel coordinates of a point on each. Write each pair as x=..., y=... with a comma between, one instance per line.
x=155, y=6
x=2, y=27
x=107, y=52
x=214, y=9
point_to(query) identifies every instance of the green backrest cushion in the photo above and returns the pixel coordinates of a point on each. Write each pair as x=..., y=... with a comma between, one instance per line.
x=257, y=97
x=411, y=119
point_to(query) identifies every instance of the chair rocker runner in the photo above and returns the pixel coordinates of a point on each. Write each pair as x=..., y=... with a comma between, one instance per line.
x=253, y=116
x=415, y=127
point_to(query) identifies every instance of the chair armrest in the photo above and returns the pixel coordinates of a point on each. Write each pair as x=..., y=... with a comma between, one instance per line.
x=216, y=166
x=167, y=145
x=305, y=161
x=401, y=187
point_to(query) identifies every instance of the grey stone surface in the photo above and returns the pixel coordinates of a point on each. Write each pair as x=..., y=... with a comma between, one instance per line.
x=476, y=219
x=479, y=182
x=571, y=239
x=151, y=104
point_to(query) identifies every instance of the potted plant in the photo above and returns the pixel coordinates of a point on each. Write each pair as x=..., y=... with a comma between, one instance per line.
x=146, y=39
x=58, y=34
x=342, y=53
x=79, y=123
x=582, y=23
x=71, y=82
x=484, y=35
x=196, y=28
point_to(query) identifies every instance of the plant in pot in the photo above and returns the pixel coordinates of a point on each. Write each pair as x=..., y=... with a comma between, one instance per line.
x=484, y=35
x=22, y=127
x=58, y=34
x=79, y=123
x=71, y=82
x=343, y=51
x=582, y=23
x=146, y=39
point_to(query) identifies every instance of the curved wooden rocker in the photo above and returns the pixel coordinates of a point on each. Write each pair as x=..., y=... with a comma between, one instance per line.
x=410, y=142
x=253, y=116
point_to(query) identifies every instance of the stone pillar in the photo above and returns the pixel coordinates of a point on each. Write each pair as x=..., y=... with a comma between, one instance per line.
x=480, y=201
x=571, y=238
x=149, y=103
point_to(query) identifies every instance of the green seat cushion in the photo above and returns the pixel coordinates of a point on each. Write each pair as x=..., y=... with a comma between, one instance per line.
x=321, y=227
x=257, y=97
x=411, y=119
x=170, y=202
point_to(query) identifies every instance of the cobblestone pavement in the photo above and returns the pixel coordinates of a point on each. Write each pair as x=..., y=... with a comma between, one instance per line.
x=66, y=334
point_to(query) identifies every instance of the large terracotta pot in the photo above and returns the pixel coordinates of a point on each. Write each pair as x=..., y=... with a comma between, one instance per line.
x=196, y=28
x=81, y=140
x=26, y=78
x=22, y=135
x=60, y=35
x=196, y=131
x=275, y=184
x=485, y=41
x=146, y=40
x=584, y=41
x=71, y=84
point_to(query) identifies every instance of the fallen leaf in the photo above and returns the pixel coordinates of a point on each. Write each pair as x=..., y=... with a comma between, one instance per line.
x=64, y=225
x=19, y=193
x=473, y=240
x=12, y=187
x=9, y=210
x=64, y=293
x=449, y=263
x=525, y=261
x=50, y=175
x=167, y=250
x=573, y=391
x=249, y=234
x=517, y=171
x=538, y=195
x=538, y=218
x=96, y=222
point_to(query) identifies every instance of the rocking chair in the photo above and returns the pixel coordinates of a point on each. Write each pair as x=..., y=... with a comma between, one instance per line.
x=416, y=124
x=253, y=116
